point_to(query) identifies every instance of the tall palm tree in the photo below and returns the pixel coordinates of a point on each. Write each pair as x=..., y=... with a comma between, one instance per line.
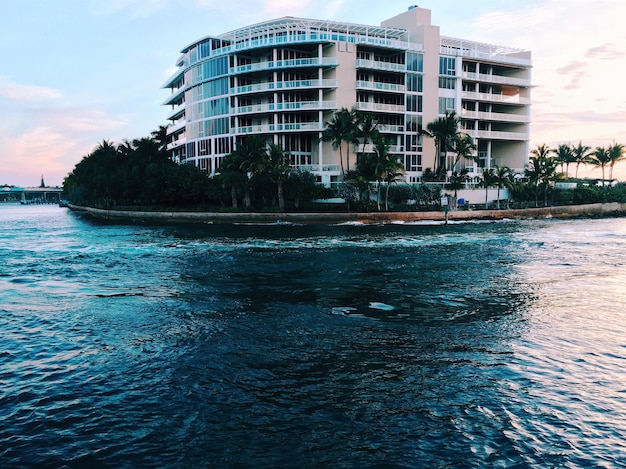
x=463, y=146
x=564, y=154
x=365, y=127
x=278, y=170
x=443, y=130
x=616, y=154
x=489, y=180
x=580, y=155
x=338, y=130
x=457, y=182
x=503, y=179
x=160, y=136
x=394, y=172
x=600, y=158
x=250, y=154
x=533, y=172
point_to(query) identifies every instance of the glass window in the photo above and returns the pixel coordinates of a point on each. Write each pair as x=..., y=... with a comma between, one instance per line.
x=446, y=104
x=447, y=66
x=414, y=62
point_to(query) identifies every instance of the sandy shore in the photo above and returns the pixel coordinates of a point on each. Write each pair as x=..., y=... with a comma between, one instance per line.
x=339, y=217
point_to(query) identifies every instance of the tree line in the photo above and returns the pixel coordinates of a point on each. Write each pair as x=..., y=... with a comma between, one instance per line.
x=258, y=175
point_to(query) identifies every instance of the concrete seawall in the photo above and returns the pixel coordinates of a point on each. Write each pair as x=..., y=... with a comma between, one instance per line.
x=588, y=210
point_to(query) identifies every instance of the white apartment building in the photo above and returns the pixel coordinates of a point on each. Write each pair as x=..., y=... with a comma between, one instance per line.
x=285, y=78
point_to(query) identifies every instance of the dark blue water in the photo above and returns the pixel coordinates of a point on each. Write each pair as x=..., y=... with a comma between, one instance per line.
x=401, y=346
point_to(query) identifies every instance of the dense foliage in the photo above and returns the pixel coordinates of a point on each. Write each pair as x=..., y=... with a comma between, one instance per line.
x=137, y=173
x=258, y=175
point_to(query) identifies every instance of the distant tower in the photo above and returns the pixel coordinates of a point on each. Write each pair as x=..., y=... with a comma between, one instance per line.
x=42, y=183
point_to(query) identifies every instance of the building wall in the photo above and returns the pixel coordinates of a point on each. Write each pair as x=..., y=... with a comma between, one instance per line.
x=491, y=92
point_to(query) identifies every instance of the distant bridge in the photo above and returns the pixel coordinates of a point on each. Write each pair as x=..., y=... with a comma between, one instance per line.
x=31, y=195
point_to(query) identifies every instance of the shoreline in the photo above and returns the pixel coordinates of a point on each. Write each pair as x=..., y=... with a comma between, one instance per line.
x=565, y=211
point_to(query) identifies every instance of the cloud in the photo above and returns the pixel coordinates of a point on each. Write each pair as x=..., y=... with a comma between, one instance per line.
x=576, y=72
x=605, y=52
x=26, y=93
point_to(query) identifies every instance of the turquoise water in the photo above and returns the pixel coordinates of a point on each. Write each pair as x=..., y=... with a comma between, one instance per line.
x=403, y=345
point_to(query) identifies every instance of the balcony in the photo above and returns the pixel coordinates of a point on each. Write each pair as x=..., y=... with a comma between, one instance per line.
x=288, y=127
x=483, y=78
x=390, y=129
x=176, y=113
x=176, y=143
x=280, y=64
x=270, y=86
x=495, y=116
x=370, y=148
x=380, y=107
x=378, y=86
x=299, y=105
x=176, y=97
x=376, y=65
x=496, y=135
x=495, y=98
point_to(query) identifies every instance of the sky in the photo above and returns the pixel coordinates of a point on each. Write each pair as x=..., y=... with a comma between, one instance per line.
x=76, y=72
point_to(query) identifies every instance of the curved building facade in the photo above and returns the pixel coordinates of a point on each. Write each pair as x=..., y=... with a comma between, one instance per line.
x=285, y=78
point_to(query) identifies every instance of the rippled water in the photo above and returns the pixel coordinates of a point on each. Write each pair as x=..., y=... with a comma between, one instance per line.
x=467, y=345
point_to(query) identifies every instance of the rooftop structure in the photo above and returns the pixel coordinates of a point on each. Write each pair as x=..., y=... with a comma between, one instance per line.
x=285, y=78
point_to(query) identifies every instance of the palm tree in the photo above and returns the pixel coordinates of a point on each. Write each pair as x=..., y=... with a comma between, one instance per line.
x=278, y=170
x=564, y=155
x=464, y=147
x=443, y=130
x=249, y=154
x=489, y=180
x=616, y=154
x=580, y=155
x=160, y=136
x=600, y=158
x=457, y=182
x=503, y=179
x=338, y=130
x=365, y=127
x=533, y=172
x=394, y=172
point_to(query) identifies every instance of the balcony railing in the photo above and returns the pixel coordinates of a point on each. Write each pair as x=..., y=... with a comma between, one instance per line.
x=299, y=105
x=496, y=79
x=370, y=148
x=377, y=86
x=318, y=168
x=380, y=107
x=176, y=143
x=293, y=63
x=495, y=116
x=496, y=98
x=267, y=128
x=376, y=65
x=260, y=87
x=497, y=135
